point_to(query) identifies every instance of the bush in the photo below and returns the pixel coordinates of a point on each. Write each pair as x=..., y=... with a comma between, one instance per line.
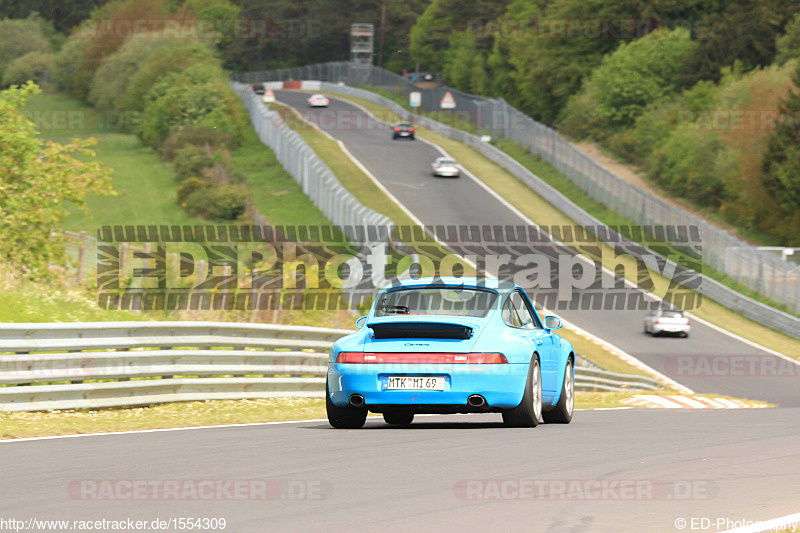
x=191, y=161
x=65, y=65
x=788, y=44
x=195, y=135
x=169, y=59
x=686, y=164
x=29, y=67
x=194, y=97
x=111, y=80
x=19, y=37
x=188, y=187
x=217, y=202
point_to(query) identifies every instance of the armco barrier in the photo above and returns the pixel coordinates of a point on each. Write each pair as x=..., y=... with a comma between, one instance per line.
x=115, y=364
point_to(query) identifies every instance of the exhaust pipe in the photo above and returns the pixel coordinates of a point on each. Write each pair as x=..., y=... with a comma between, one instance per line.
x=356, y=400
x=476, y=400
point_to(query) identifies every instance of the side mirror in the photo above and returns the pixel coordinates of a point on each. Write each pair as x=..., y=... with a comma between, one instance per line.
x=361, y=321
x=552, y=322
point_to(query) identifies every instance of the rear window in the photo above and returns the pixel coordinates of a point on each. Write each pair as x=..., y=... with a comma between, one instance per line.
x=447, y=162
x=672, y=314
x=436, y=301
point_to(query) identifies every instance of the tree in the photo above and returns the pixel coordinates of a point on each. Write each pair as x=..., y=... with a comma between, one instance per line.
x=116, y=71
x=199, y=95
x=37, y=182
x=781, y=164
x=637, y=75
x=430, y=36
x=19, y=37
x=459, y=60
x=65, y=65
x=788, y=44
x=30, y=67
x=176, y=56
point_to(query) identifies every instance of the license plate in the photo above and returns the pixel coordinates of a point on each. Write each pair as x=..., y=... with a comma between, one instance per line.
x=413, y=383
x=404, y=133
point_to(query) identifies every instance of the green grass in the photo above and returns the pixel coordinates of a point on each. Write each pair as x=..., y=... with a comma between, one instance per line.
x=147, y=187
x=32, y=302
x=271, y=189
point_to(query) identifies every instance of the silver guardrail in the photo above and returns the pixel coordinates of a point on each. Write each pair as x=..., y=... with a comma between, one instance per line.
x=93, y=365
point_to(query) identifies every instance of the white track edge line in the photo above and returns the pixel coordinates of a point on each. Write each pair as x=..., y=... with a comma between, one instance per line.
x=775, y=524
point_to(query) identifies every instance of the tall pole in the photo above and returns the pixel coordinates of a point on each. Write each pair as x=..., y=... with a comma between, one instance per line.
x=383, y=33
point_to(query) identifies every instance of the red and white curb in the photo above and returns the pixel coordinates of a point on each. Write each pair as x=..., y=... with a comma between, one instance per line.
x=690, y=402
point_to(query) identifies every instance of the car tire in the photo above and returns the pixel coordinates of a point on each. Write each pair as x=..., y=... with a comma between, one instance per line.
x=411, y=137
x=398, y=417
x=562, y=412
x=347, y=417
x=527, y=413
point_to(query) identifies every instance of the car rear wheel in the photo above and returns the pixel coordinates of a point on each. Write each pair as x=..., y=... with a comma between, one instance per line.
x=347, y=417
x=562, y=412
x=529, y=410
x=398, y=418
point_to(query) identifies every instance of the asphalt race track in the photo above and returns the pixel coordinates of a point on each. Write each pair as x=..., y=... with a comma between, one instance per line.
x=708, y=361
x=432, y=476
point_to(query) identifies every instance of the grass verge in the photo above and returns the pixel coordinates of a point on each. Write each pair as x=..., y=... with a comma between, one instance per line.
x=537, y=209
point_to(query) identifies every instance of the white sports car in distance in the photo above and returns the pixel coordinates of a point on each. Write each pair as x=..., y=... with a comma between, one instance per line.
x=318, y=100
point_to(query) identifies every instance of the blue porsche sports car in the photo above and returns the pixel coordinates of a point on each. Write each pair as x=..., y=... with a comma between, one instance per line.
x=452, y=345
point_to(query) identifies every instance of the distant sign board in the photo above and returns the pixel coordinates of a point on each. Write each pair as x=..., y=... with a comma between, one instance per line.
x=415, y=99
x=448, y=102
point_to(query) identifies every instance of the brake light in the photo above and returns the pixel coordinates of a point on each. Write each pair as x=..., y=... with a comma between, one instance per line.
x=397, y=129
x=410, y=129
x=657, y=320
x=475, y=358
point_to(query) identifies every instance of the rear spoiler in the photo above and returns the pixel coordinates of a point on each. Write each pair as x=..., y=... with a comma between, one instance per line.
x=420, y=330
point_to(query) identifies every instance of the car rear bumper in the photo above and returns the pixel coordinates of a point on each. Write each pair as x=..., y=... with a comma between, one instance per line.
x=446, y=174
x=670, y=328
x=502, y=386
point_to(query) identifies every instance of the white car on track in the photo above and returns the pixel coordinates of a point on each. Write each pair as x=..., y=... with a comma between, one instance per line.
x=446, y=167
x=674, y=321
x=318, y=100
